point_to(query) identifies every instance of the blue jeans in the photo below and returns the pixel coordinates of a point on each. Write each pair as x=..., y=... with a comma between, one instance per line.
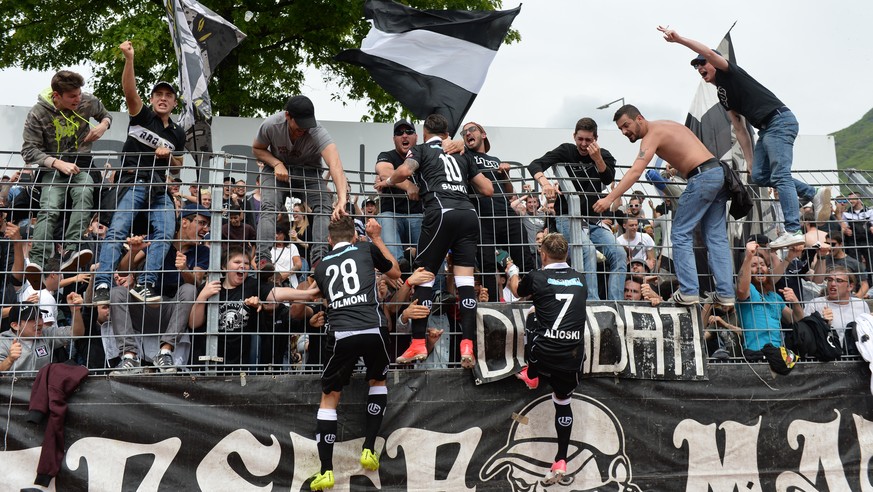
x=399, y=231
x=774, y=153
x=162, y=217
x=596, y=238
x=703, y=202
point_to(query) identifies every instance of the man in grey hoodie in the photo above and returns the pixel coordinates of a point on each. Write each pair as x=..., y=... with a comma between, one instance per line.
x=58, y=134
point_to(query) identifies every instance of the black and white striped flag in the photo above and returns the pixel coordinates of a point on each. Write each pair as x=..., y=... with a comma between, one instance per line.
x=431, y=61
x=202, y=39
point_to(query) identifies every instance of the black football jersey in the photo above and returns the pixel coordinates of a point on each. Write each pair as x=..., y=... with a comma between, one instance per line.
x=443, y=179
x=347, y=279
x=559, y=296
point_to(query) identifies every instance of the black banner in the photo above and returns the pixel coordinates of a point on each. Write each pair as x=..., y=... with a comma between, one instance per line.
x=626, y=340
x=743, y=429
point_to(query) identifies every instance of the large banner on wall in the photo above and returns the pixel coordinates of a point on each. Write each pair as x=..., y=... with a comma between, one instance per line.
x=626, y=340
x=742, y=429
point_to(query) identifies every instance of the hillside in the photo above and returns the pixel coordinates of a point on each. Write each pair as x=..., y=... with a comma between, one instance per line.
x=854, y=144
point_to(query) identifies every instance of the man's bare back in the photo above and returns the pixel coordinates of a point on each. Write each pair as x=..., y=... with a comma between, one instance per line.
x=675, y=144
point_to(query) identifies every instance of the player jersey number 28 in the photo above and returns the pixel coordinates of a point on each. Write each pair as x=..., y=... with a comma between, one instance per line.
x=347, y=273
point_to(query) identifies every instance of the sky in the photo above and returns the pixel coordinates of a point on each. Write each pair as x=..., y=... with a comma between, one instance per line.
x=576, y=55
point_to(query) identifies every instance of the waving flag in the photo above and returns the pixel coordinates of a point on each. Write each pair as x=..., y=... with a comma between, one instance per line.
x=202, y=39
x=431, y=61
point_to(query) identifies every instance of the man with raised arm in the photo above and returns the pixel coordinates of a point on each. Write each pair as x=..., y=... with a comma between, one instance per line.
x=445, y=184
x=553, y=333
x=703, y=201
x=293, y=145
x=770, y=163
x=152, y=139
x=347, y=279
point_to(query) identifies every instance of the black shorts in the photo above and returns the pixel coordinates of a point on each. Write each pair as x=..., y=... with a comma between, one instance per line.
x=563, y=383
x=338, y=370
x=441, y=231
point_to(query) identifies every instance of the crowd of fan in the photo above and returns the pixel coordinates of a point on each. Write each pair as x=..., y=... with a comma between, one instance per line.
x=62, y=217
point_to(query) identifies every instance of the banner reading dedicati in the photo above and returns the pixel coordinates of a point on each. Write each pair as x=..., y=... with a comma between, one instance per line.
x=627, y=340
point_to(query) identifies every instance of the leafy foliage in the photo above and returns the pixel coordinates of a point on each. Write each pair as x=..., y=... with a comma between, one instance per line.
x=854, y=144
x=284, y=37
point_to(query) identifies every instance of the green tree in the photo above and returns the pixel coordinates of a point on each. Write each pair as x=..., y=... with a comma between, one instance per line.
x=283, y=38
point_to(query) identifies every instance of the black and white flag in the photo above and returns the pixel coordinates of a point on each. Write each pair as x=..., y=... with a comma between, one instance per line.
x=431, y=61
x=202, y=39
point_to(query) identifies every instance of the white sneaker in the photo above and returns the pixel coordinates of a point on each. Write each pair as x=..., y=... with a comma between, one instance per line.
x=787, y=239
x=821, y=204
x=684, y=299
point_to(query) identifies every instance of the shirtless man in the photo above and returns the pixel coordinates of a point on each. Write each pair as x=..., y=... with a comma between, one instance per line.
x=702, y=202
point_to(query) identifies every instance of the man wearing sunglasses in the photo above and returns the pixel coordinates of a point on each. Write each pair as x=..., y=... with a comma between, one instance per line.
x=400, y=210
x=770, y=163
x=500, y=226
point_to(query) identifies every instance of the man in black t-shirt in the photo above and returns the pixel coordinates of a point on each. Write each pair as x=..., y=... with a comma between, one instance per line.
x=589, y=170
x=347, y=279
x=554, y=341
x=399, y=206
x=770, y=162
x=501, y=227
x=450, y=222
x=152, y=138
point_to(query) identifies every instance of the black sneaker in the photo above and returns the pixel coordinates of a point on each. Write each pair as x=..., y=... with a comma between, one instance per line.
x=101, y=295
x=145, y=293
x=33, y=274
x=128, y=366
x=164, y=363
x=75, y=261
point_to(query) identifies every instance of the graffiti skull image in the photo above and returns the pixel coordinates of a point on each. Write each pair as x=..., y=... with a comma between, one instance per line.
x=596, y=460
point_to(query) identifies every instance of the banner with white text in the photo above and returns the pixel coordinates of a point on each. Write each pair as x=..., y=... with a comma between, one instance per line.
x=625, y=340
x=742, y=429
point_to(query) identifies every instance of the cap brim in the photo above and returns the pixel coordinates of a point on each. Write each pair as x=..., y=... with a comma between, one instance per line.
x=164, y=84
x=306, y=122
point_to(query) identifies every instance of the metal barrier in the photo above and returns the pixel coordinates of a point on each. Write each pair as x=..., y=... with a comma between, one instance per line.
x=276, y=340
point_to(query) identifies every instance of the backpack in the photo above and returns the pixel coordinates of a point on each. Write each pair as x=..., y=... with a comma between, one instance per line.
x=813, y=336
x=741, y=199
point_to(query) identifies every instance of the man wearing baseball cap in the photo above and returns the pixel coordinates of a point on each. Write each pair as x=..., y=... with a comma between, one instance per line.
x=400, y=211
x=152, y=146
x=293, y=145
x=29, y=345
x=770, y=162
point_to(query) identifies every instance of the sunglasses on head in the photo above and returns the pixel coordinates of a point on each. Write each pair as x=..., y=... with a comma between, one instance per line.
x=398, y=133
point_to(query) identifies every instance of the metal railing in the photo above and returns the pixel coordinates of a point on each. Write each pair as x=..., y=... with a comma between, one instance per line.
x=283, y=340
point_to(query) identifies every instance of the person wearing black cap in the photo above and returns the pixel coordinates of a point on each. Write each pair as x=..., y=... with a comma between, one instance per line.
x=152, y=140
x=770, y=163
x=400, y=209
x=293, y=145
x=29, y=345
x=182, y=271
x=58, y=134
